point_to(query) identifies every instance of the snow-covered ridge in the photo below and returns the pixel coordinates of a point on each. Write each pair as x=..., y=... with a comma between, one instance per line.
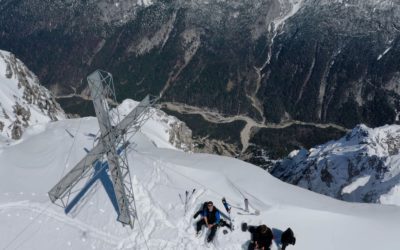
x=363, y=166
x=164, y=130
x=23, y=101
x=160, y=173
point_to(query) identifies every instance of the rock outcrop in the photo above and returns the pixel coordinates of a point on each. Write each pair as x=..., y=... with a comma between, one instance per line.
x=363, y=166
x=23, y=100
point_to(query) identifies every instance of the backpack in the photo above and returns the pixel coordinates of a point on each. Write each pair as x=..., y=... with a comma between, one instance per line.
x=287, y=237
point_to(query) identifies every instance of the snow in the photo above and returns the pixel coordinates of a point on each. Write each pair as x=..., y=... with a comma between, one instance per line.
x=383, y=53
x=362, y=166
x=359, y=182
x=145, y=3
x=392, y=197
x=157, y=128
x=3, y=65
x=15, y=79
x=32, y=165
x=295, y=6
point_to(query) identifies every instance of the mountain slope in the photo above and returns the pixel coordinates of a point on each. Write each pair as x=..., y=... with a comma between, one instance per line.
x=160, y=173
x=272, y=60
x=363, y=166
x=335, y=61
x=23, y=101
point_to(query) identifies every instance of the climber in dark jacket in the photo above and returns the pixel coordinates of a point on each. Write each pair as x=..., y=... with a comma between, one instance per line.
x=261, y=237
x=210, y=218
x=287, y=238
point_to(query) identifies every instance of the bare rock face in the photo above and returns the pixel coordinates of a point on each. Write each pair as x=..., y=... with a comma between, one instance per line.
x=16, y=130
x=23, y=100
x=23, y=115
x=214, y=146
x=180, y=135
x=362, y=166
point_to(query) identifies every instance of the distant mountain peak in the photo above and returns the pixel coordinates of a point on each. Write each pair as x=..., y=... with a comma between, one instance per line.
x=362, y=166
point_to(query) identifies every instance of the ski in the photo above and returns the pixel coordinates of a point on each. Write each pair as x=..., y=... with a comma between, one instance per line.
x=256, y=213
x=180, y=197
x=188, y=197
x=228, y=210
x=191, y=194
x=186, y=200
x=69, y=133
x=226, y=205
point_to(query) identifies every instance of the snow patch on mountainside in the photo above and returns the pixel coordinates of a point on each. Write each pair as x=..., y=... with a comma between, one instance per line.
x=383, y=53
x=360, y=182
x=158, y=39
x=363, y=166
x=120, y=11
x=290, y=7
x=23, y=101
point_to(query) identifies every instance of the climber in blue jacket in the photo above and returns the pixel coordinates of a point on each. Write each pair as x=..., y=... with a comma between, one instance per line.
x=210, y=218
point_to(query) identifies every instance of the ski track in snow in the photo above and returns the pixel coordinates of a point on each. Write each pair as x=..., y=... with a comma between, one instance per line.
x=160, y=174
x=44, y=210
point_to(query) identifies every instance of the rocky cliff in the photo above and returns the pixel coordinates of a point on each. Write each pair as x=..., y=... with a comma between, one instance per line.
x=23, y=101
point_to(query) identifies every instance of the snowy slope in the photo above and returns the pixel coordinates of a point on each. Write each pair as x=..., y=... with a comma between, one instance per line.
x=31, y=167
x=363, y=166
x=23, y=101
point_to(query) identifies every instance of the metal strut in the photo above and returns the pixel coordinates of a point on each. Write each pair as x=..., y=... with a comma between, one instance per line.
x=111, y=139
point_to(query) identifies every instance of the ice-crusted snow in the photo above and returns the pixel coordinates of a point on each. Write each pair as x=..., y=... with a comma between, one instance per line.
x=31, y=166
x=362, y=166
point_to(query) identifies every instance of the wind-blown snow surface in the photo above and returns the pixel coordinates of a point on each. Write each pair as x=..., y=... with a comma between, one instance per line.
x=31, y=166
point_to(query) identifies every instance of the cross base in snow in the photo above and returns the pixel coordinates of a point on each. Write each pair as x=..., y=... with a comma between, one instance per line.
x=107, y=161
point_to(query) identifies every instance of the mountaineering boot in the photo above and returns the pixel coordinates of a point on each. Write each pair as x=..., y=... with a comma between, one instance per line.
x=198, y=234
